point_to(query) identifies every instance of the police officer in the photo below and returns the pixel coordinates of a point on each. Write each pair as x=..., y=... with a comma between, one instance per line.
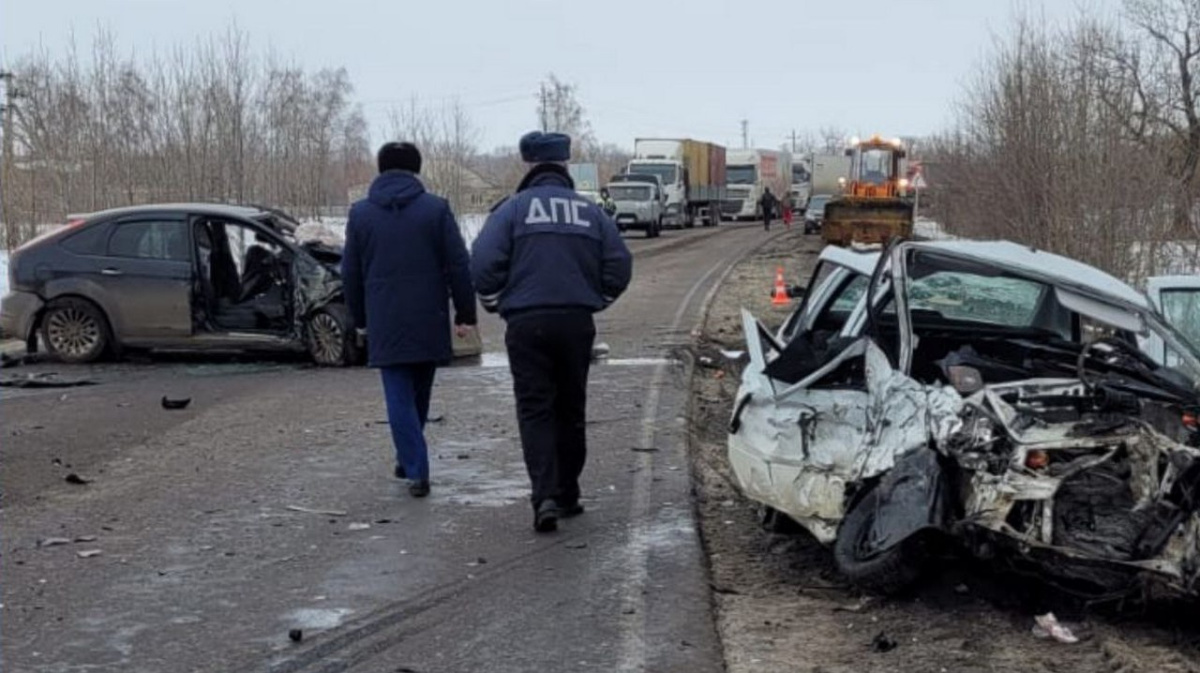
x=607, y=204
x=546, y=260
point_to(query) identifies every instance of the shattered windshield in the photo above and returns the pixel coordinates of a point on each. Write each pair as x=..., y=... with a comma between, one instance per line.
x=957, y=295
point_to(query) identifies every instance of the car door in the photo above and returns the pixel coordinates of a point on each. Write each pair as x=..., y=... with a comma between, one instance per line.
x=1177, y=298
x=147, y=274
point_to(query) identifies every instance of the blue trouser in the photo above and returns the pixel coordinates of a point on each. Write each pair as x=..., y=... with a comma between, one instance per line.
x=407, y=389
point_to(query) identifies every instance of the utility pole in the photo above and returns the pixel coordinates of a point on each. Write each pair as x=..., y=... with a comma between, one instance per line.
x=6, y=174
x=745, y=134
x=793, y=141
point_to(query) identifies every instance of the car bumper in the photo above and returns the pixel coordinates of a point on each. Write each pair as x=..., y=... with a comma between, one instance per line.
x=18, y=310
x=627, y=221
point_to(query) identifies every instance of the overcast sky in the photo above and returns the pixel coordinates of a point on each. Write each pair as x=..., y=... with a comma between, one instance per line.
x=643, y=68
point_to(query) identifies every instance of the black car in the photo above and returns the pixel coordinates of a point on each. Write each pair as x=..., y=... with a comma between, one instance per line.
x=191, y=275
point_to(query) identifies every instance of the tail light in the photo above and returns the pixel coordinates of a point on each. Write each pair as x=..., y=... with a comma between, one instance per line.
x=71, y=224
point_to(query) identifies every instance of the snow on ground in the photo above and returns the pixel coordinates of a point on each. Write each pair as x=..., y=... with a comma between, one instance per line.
x=930, y=230
x=332, y=230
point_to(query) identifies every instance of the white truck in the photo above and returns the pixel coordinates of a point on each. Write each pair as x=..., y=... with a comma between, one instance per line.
x=692, y=174
x=827, y=172
x=640, y=200
x=801, y=181
x=748, y=173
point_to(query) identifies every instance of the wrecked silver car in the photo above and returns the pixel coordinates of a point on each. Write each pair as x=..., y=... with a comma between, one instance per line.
x=987, y=391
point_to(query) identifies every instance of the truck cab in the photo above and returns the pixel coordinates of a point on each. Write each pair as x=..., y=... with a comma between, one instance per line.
x=743, y=188
x=672, y=176
x=641, y=203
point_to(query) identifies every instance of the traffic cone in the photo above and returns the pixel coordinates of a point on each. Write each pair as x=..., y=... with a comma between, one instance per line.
x=781, y=295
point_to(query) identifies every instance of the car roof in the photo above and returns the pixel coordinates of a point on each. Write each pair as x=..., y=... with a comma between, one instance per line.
x=203, y=208
x=1173, y=283
x=860, y=261
x=1056, y=268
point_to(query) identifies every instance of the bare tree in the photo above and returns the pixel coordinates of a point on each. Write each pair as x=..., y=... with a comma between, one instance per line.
x=559, y=110
x=448, y=140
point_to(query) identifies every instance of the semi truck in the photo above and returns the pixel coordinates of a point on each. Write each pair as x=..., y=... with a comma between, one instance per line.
x=692, y=173
x=801, y=182
x=828, y=173
x=748, y=174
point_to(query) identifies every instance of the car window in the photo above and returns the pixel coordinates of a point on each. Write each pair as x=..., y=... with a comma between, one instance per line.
x=92, y=240
x=1181, y=308
x=958, y=295
x=150, y=240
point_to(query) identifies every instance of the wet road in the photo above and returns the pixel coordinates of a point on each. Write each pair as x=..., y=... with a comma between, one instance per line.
x=268, y=505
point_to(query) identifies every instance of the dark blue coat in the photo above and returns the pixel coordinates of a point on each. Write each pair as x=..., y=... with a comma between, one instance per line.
x=404, y=259
x=546, y=247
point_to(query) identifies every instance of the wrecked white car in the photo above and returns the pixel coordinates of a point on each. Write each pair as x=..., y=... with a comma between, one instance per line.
x=983, y=390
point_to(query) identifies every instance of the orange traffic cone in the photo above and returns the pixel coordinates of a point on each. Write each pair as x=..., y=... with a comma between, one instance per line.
x=781, y=294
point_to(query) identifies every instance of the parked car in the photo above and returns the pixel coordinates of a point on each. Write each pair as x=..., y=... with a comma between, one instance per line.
x=981, y=392
x=640, y=204
x=814, y=213
x=193, y=275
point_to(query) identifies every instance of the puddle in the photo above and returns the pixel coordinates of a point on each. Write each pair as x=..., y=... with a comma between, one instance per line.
x=500, y=360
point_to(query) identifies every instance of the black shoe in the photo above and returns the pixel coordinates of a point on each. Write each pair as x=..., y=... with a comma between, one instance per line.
x=400, y=473
x=546, y=518
x=573, y=509
x=419, y=489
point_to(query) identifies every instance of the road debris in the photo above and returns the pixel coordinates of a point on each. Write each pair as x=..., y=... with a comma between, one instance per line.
x=296, y=635
x=862, y=604
x=577, y=544
x=644, y=449
x=1048, y=626
x=74, y=478
x=88, y=553
x=600, y=351
x=310, y=510
x=175, y=403
x=53, y=541
x=43, y=380
x=85, y=538
x=882, y=643
x=436, y=419
x=359, y=526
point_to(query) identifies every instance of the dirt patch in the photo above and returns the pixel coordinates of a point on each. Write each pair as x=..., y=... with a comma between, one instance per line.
x=782, y=606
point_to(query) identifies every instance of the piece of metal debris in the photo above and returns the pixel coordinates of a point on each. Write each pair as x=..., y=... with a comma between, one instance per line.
x=310, y=510
x=175, y=403
x=73, y=478
x=88, y=553
x=1048, y=626
x=53, y=541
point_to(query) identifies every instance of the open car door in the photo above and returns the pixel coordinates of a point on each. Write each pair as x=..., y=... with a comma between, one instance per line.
x=1177, y=298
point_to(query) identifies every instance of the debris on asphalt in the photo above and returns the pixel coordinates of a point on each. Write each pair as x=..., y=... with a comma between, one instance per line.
x=481, y=560
x=728, y=591
x=53, y=541
x=43, y=380
x=861, y=605
x=310, y=510
x=175, y=403
x=577, y=544
x=644, y=449
x=733, y=355
x=883, y=643
x=1048, y=626
x=359, y=526
x=296, y=635
x=383, y=521
x=85, y=538
x=436, y=419
x=88, y=553
x=706, y=361
x=463, y=456
x=73, y=478
x=600, y=351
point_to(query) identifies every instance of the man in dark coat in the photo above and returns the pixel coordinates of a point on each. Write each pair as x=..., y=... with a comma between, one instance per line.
x=546, y=260
x=768, y=203
x=404, y=260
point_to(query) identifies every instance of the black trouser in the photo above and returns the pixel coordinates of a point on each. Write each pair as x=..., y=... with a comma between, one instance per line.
x=767, y=214
x=549, y=355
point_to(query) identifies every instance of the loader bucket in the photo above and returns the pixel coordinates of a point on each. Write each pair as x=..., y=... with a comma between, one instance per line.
x=866, y=221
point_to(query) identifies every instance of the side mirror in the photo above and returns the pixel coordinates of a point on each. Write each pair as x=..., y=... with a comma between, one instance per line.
x=796, y=291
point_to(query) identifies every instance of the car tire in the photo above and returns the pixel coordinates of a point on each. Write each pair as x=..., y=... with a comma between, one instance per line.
x=330, y=337
x=887, y=572
x=75, y=330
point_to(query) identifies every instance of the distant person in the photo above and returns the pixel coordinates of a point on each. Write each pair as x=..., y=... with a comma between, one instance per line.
x=404, y=260
x=546, y=260
x=607, y=204
x=786, y=208
x=767, y=204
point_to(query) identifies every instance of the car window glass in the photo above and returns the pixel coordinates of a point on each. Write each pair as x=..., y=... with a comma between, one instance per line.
x=150, y=240
x=92, y=240
x=1181, y=308
x=958, y=295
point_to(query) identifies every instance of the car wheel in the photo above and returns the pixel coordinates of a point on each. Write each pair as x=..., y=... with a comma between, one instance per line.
x=331, y=341
x=75, y=330
x=886, y=572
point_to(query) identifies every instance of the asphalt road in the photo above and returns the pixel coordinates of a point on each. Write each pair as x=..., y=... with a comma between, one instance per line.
x=268, y=505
